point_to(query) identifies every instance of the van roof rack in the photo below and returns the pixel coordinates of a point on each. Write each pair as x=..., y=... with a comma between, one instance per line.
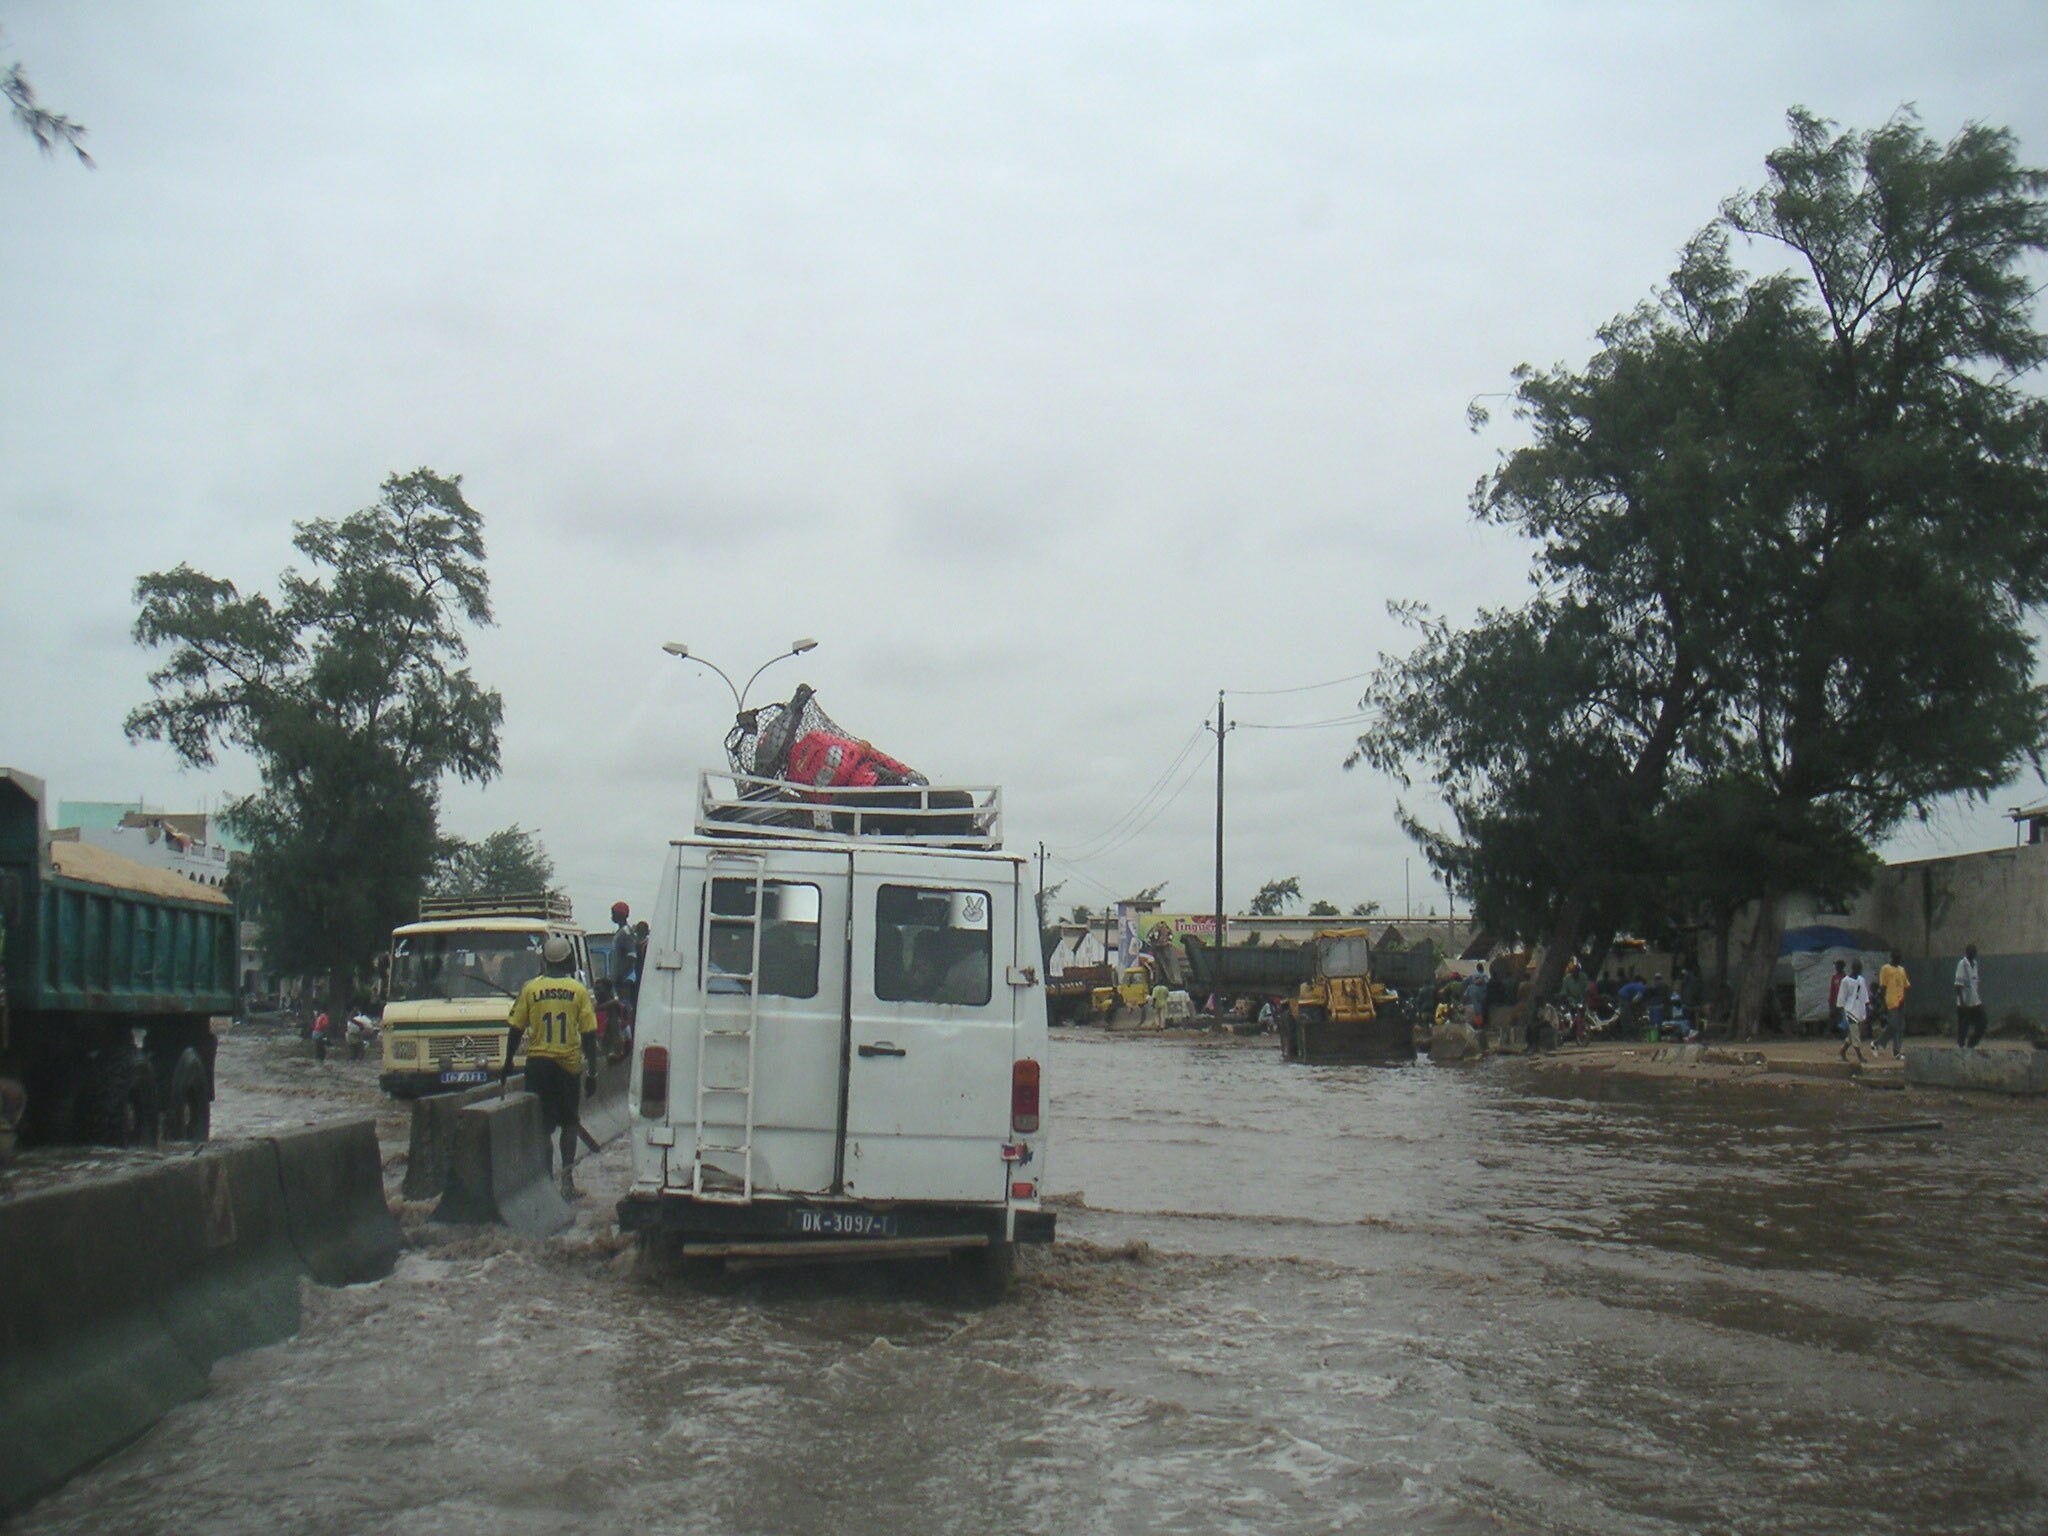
x=547, y=906
x=909, y=815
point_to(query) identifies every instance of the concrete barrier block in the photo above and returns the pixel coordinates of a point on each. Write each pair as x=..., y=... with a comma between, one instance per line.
x=431, y=1150
x=430, y=1155
x=1986, y=1069
x=117, y=1295
x=609, y=1114
x=502, y=1172
x=333, y=1179
x=244, y=1291
x=86, y=1363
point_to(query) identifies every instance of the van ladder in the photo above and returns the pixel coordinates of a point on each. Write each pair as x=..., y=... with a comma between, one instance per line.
x=733, y=1132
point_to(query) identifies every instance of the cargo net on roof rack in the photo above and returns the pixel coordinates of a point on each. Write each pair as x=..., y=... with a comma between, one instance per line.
x=797, y=770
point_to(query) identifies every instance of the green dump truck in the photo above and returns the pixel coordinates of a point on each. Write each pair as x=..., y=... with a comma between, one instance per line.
x=114, y=973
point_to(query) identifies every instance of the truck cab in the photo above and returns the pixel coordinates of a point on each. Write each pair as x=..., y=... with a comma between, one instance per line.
x=840, y=1038
x=451, y=982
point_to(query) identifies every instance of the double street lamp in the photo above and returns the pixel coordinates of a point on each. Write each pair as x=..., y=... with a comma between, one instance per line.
x=682, y=652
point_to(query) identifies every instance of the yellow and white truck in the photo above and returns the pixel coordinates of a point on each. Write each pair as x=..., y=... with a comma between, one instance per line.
x=452, y=979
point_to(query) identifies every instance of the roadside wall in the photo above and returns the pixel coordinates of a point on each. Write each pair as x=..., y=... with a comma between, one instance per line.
x=1929, y=909
x=1998, y=900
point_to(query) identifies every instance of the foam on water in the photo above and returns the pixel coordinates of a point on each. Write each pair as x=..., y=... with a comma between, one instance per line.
x=1290, y=1299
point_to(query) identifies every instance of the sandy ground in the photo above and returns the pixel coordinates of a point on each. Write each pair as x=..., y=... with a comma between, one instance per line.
x=1776, y=1066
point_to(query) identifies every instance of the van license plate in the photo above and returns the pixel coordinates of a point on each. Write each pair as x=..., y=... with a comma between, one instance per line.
x=843, y=1223
x=450, y=1078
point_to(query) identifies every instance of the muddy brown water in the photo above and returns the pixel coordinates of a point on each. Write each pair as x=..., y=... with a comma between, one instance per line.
x=1285, y=1299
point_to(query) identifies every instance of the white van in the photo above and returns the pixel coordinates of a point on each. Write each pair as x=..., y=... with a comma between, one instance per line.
x=840, y=1035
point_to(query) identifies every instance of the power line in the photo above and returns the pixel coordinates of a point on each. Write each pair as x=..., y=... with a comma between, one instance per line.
x=1075, y=872
x=1085, y=846
x=1267, y=693
x=1158, y=811
x=1308, y=725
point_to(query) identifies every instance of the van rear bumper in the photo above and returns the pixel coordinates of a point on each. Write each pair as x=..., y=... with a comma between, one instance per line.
x=776, y=1221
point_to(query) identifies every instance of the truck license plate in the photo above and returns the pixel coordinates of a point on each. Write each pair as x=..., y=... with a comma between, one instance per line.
x=843, y=1223
x=450, y=1079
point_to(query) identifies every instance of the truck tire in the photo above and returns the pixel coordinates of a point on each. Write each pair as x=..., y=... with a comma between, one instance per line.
x=124, y=1107
x=188, y=1107
x=987, y=1273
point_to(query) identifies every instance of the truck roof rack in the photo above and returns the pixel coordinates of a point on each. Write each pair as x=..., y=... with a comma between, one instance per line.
x=547, y=906
x=909, y=815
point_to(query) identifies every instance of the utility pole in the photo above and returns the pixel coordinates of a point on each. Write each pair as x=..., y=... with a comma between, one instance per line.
x=1041, y=885
x=1221, y=730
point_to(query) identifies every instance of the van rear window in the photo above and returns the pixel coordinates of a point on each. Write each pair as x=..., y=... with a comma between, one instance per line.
x=789, y=938
x=931, y=945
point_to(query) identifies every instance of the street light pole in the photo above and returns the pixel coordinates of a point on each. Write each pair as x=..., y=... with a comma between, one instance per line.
x=682, y=652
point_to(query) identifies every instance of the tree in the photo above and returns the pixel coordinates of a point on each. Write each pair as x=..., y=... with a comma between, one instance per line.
x=1275, y=896
x=1048, y=933
x=1321, y=908
x=1366, y=909
x=1081, y=914
x=346, y=692
x=1151, y=892
x=508, y=862
x=1789, y=529
x=47, y=128
x=1045, y=898
x=1892, y=662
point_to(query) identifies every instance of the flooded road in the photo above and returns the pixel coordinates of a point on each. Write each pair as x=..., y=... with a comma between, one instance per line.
x=1285, y=1298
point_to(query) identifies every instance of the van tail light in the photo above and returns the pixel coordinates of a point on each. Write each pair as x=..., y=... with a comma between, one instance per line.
x=654, y=1083
x=1024, y=1096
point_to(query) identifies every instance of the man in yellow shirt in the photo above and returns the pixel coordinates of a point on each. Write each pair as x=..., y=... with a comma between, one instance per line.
x=1892, y=982
x=554, y=1015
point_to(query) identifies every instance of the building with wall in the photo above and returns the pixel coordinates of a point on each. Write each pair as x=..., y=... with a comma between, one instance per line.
x=1930, y=909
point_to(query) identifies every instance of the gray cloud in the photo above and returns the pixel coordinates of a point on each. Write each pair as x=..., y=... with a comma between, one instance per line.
x=1054, y=366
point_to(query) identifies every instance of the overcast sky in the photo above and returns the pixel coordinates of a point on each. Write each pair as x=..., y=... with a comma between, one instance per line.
x=1053, y=366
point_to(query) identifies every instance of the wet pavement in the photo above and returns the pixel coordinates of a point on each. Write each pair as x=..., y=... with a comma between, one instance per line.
x=1478, y=1299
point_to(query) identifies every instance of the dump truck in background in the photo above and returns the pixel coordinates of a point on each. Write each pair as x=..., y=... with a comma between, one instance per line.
x=1260, y=971
x=115, y=972
x=1070, y=996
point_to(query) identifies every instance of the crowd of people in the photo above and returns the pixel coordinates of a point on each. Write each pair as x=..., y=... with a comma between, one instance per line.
x=1625, y=1005
x=1621, y=1004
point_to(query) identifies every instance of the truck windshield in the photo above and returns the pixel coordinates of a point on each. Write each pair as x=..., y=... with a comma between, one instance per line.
x=462, y=963
x=1347, y=957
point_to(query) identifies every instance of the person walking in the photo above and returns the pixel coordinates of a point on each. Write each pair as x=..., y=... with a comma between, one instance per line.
x=553, y=1014
x=1892, y=983
x=1854, y=1001
x=1475, y=995
x=1835, y=996
x=1969, y=1001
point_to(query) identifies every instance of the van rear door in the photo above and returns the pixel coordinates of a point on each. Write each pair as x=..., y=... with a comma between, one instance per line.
x=931, y=1028
x=760, y=974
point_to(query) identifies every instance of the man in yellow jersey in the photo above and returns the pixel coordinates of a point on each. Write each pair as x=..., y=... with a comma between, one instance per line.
x=1892, y=982
x=554, y=1015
